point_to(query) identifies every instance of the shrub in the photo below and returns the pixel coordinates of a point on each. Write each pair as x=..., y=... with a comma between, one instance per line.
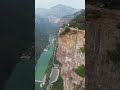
x=80, y=71
x=70, y=78
x=57, y=62
x=82, y=49
x=78, y=21
x=67, y=29
x=73, y=23
x=77, y=87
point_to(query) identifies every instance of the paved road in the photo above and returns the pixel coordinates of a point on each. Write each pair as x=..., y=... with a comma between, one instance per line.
x=54, y=75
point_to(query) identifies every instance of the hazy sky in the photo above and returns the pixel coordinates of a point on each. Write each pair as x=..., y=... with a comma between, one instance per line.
x=78, y=4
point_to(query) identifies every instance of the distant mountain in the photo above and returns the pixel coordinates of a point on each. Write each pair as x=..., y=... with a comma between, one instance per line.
x=55, y=16
x=48, y=19
x=62, y=10
x=58, y=11
x=79, y=12
x=43, y=25
x=66, y=19
x=41, y=12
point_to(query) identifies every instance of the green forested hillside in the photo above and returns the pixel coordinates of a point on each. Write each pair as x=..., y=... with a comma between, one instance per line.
x=42, y=31
x=78, y=21
x=41, y=41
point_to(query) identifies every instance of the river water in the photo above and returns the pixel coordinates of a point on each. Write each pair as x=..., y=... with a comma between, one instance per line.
x=43, y=62
x=22, y=76
x=23, y=71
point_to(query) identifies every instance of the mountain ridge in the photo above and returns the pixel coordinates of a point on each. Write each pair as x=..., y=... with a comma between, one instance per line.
x=66, y=19
x=58, y=10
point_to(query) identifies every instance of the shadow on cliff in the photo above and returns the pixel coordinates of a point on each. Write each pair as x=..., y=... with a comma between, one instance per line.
x=16, y=34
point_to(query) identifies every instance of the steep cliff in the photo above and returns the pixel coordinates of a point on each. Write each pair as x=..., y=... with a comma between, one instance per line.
x=102, y=38
x=16, y=35
x=70, y=56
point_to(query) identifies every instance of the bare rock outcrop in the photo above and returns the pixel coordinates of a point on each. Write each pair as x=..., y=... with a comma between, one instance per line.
x=68, y=53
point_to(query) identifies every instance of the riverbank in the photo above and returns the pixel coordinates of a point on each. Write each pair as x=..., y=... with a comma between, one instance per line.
x=53, y=72
x=44, y=64
x=43, y=61
x=58, y=83
x=48, y=71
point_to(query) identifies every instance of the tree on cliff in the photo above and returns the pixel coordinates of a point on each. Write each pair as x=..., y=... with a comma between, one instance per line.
x=78, y=21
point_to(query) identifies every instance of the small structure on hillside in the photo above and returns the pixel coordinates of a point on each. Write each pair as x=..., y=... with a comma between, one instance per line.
x=68, y=24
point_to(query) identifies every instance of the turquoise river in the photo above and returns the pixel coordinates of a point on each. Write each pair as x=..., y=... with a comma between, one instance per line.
x=43, y=62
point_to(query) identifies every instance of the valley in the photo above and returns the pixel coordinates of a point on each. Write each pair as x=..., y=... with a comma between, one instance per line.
x=53, y=21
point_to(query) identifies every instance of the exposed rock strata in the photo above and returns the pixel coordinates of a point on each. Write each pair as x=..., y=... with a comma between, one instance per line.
x=68, y=53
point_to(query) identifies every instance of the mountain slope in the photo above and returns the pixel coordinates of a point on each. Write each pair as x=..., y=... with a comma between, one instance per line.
x=66, y=19
x=70, y=56
x=78, y=21
x=62, y=10
x=47, y=22
x=58, y=10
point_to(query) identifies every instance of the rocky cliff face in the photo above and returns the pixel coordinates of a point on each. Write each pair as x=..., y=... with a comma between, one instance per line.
x=102, y=34
x=68, y=53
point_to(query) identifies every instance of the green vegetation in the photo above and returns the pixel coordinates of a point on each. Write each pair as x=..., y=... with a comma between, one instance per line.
x=47, y=79
x=67, y=30
x=114, y=54
x=70, y=78
x=40, y=37
x=58, y=85
x=79, y=21
x=57, y=62
x=82, y=49
x=48, y=71
x=77, y=87
x=80, y=71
